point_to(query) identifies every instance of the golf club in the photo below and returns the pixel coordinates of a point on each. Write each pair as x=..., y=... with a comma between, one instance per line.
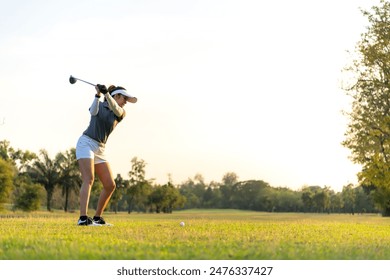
x=73, y=80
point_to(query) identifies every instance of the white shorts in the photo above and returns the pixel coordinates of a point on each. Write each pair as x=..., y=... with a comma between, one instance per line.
x=88, y=148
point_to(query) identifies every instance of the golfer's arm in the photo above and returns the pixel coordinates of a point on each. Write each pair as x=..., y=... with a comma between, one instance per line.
x=118, y=111
x=94, y=109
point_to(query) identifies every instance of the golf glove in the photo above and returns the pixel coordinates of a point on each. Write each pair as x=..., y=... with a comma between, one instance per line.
x=102, y=88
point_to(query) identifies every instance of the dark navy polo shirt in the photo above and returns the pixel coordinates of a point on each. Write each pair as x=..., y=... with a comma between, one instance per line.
x=101, y=125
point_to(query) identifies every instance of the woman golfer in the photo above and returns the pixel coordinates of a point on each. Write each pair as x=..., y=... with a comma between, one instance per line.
x=90, y=149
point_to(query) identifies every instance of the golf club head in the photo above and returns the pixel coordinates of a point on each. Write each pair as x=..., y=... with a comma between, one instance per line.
x=72, y=80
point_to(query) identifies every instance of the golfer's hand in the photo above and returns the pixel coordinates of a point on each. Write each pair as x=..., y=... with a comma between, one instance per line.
x=101, y=88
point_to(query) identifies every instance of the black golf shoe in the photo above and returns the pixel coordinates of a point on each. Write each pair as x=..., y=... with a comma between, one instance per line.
x=87, y=222
x=101, y=221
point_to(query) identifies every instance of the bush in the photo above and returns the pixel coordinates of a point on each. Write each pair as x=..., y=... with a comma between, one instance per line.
x=27, y=196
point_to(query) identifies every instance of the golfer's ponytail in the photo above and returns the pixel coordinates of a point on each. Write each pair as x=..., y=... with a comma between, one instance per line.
x=111, y=88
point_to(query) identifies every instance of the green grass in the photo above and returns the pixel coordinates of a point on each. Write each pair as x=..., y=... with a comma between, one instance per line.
x=210, y=235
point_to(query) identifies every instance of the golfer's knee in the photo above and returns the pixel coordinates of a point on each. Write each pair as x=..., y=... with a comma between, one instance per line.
x=111, y=187
x=88, y=180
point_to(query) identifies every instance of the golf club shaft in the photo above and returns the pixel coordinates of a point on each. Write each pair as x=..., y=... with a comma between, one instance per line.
x=84, y=81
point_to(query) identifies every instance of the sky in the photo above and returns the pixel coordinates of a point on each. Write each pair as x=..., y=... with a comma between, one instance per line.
x=245, y=86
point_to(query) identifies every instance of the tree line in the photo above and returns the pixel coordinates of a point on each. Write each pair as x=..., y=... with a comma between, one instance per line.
x=28, y=181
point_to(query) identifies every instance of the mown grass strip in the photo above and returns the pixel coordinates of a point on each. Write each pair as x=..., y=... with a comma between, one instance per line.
x=207, y=235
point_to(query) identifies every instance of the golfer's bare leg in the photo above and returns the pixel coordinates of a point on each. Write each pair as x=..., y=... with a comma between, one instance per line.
x=103, y=171
x=86, y=166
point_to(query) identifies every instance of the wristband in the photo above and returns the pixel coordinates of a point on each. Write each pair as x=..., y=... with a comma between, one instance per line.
x=97, y=96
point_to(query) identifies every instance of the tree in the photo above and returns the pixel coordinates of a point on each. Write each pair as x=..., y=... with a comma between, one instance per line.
x=208, y=198
x=307, y=198
x=363, y=201
x=117, y=195
x=322, y=199
x=46, y=172
x=194, y=190
x=156, y=199
x=336, y=202
x=172, y=198
x=252, y=195
x=19, y=158
x=96, y=190
x=285, y=200
x=368, y=132
x=6, y=151
x=349, y=198
x=227, y=189
x=69, y=177
x=139, y=188
x=6, y=177
x=199, y=188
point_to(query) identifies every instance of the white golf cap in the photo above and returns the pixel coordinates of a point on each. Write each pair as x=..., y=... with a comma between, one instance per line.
x=123, y=91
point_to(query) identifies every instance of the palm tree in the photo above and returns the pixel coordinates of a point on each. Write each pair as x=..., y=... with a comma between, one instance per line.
x=69, y=178
x=45, y=171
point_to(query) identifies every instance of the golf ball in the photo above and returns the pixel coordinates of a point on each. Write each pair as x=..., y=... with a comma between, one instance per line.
x=182, y=224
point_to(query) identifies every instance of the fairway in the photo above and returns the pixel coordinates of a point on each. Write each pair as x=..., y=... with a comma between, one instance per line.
x=207, y=235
